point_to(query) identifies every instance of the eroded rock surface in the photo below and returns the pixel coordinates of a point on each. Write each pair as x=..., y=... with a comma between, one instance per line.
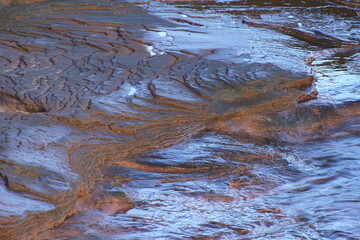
x=84, y=94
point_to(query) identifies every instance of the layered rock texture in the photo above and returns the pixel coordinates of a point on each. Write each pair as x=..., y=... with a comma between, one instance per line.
x=81, y=89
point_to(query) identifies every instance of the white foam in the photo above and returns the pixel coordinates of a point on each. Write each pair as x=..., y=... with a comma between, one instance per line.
x=162, y=34
x=153, y=51
x=132, y=91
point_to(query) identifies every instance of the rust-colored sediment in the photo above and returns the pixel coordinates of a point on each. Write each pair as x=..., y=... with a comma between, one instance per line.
x=80, y=94
x=351, y=3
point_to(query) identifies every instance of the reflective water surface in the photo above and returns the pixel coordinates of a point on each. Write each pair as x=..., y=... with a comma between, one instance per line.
x=183, y=123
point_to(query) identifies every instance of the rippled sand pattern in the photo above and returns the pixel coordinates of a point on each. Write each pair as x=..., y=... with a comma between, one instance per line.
x=104, y=136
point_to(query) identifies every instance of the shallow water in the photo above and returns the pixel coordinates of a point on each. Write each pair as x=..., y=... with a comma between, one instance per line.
x=249, y=191
x=194, y=118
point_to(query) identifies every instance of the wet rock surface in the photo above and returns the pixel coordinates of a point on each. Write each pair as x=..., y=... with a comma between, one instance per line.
x=108, y=132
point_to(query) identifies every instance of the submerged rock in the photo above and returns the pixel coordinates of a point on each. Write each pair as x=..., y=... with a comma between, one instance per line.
x=108, y=99
x=10, y=104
